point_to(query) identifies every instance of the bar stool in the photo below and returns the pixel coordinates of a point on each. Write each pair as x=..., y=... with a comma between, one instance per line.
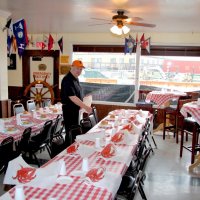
x=191, y=127
x=173, y=114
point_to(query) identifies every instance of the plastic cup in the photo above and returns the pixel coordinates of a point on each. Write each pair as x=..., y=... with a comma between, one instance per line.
x=85, y=165
x=19, y=193
x=97, y=143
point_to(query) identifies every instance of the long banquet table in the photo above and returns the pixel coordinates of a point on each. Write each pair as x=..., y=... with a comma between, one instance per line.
x=12, y=128
x=74, y=184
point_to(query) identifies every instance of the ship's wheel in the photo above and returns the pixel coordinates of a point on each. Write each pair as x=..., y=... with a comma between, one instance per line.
x=39, y=91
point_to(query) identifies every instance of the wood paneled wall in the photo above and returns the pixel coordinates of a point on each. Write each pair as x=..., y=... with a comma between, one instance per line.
x=5, y=108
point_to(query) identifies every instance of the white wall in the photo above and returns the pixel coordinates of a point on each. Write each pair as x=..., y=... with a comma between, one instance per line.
x=3, y=58
x=174, y=39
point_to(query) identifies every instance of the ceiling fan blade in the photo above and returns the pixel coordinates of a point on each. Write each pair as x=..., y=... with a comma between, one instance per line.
x=142, y=24
x=99, y=24
x=100, y=19
x=133, y=19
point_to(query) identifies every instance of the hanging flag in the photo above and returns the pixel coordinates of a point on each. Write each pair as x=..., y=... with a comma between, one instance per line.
x=132, y=39
x=126, y=50
x=8, y=24
x=45, y=39
x=41, y=45
x=142, y=39
x=129, y=44
x=20, y=32
x=31, y=41
x=60, y=44
x=50, y=42
x=9, y=44
x=146, y=44
x=136, y=40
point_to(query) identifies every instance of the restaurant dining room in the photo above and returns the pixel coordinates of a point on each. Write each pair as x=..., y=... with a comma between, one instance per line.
x=99, y=100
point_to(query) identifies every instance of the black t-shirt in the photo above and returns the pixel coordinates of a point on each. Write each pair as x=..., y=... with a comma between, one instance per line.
x=70, y=87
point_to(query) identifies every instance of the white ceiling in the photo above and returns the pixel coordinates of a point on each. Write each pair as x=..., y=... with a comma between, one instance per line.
x=62, y=16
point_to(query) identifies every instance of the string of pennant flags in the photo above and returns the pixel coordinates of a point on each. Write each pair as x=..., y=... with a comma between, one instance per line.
x=17, y=38
x=130, y=43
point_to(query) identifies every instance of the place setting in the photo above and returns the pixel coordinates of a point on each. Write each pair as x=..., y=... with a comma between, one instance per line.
x=8, y=129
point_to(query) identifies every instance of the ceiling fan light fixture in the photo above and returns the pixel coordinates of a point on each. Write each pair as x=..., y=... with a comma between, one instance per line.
x=125, y=29
x=119, y=30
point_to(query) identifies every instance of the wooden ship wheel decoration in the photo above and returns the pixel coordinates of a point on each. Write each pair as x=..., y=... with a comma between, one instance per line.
x=38, y=89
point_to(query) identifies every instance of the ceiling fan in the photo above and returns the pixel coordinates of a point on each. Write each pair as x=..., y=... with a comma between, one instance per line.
x=120, y=20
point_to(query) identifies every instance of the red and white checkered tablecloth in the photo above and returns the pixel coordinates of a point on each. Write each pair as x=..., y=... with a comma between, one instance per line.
x=35, y=123
x=76, y=190
x=160, y=97
x=193, y=109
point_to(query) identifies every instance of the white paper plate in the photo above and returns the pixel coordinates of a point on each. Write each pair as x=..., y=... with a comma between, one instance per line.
x=64, y=180
x=27, y=123
x=15, y=130
x=105, y=126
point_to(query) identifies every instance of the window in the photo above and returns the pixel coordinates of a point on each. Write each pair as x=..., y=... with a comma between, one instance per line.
x=110, y=74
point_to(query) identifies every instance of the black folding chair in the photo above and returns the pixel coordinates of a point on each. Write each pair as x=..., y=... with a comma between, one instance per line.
x=74, y=131
x=6, y=153
x=57, y=142
x=39, y=142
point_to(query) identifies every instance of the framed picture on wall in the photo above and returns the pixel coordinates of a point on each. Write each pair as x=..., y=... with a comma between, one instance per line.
x=11, y=61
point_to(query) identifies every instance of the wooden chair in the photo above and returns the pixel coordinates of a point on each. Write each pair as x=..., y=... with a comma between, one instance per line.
x=191, y=127
x=194, y=95
x=171, y=117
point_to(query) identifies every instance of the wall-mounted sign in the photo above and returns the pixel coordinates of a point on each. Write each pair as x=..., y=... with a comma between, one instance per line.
x=38, y=86
x=11, y=61
x=64, y=59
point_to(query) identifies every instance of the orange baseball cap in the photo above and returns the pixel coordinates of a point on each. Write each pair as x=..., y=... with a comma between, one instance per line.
x=77, y=63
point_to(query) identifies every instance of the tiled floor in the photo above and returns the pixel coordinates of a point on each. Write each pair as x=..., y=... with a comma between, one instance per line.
x=167, y=175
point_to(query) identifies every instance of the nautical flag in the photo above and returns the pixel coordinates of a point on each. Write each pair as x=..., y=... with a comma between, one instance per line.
x=20, y=32
x=129, y=44
x=146, y=44
x=136, y=40
x=9, y=44
x=41, y=45
x=8, y=24
x=142, y=39
x=50, y=42
x=60, y=44
x=31, y=41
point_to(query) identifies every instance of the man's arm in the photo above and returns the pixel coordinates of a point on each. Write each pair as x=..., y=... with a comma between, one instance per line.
x=80, y=103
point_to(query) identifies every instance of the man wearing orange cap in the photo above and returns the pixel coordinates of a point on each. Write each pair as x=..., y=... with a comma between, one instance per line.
x=72, y=97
